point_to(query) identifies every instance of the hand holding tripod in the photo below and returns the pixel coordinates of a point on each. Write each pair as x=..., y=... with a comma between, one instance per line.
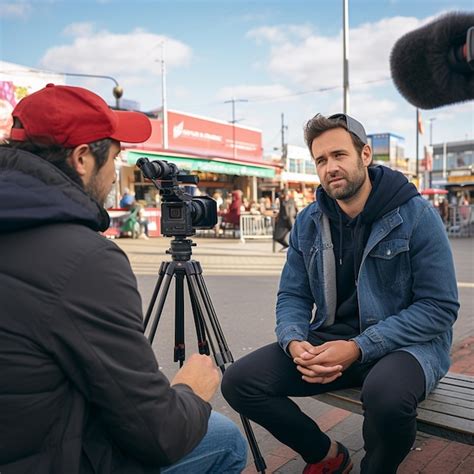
x=209, y=333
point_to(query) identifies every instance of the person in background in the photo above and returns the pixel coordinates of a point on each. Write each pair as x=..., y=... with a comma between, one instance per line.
x=128, y=199
x=143, y=221
x=285, y=219
x=232, y=216
x=217, y=196
x=81, y=390
x=367, y=297
x=443, y=209
x=245, y=207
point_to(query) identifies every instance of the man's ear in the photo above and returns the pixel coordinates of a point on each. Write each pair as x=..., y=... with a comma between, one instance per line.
x=367, y=155
x=80, y=158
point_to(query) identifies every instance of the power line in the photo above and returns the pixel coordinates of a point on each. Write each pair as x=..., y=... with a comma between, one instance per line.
x=298, y=93
x=314, y=91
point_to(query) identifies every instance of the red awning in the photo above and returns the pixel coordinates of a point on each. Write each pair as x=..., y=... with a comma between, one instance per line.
x=432, y=191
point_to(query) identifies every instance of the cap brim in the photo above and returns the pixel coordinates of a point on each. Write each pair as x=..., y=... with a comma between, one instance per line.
x=132, y=127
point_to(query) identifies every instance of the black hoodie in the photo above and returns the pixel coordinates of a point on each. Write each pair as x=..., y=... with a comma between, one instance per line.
x=390, y=189
x=80, y=388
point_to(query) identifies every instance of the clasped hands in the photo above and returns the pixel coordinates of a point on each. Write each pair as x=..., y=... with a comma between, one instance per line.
x=324, y=363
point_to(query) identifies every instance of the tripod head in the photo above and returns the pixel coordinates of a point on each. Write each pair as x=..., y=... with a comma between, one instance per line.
x=180, y=249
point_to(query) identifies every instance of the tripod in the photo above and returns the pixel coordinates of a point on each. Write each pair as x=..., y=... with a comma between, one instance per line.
x=208, y=330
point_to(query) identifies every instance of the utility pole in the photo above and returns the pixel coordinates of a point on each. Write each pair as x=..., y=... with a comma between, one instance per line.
x=417, y=144
x=345, y=35
x=283, y=128
x=284, y=150
x=432, y=119
x=163, y=97
x=233, y=101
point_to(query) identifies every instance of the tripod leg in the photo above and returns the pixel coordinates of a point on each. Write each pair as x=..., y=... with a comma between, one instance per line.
x=161, y=274
x=179, y=346
x=212, y=316
x=260, y=464
x=198, y=292
x=166, y=286
x=203, y=345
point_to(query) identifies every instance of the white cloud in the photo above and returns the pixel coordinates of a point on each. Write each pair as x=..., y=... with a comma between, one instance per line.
x=313, y=60
x=279, y=34
x=131, y=56
x=15, y=9
x=249, y=92
x=79, y=29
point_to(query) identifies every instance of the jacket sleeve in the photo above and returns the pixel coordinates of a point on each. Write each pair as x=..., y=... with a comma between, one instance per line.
x=294, y=302
x=434, y=305
x=96, y=334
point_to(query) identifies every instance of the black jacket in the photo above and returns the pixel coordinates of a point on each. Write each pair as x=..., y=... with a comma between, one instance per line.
x=80, y=389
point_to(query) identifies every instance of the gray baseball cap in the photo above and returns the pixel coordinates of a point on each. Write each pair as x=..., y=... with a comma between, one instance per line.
x=353, y=126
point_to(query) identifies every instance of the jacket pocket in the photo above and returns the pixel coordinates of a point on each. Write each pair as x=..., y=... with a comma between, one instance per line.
x=391, y=263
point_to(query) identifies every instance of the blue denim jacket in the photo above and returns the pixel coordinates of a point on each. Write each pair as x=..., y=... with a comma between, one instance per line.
x=406, y=287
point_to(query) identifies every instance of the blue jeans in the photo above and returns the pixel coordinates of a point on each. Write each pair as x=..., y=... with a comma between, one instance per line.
x=222, y=450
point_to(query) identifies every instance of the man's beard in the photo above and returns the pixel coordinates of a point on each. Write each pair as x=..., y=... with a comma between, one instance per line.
x=352, y=186
x=94, y=191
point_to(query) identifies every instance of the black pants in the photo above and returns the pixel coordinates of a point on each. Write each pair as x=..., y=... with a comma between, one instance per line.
x=281, y=234
x=258, y=386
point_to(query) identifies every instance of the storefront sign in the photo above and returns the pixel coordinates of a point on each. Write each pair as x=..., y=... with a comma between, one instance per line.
x=207, y=137
x=211, y=166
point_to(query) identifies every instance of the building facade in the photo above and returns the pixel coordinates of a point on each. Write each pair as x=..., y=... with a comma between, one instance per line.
x=453, y=165
x=224, y=156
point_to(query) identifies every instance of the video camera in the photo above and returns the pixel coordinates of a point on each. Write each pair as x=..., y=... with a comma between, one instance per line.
x=181, y=213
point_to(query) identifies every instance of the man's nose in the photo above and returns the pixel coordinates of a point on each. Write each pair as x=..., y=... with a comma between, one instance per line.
x=332, y=166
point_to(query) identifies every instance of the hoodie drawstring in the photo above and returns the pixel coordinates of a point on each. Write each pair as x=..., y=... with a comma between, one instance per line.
x=341, y=234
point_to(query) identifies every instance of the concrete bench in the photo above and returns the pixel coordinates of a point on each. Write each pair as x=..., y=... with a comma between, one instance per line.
x=448, y=412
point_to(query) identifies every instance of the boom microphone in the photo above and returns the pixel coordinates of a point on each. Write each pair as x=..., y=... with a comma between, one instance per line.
x=434, y=65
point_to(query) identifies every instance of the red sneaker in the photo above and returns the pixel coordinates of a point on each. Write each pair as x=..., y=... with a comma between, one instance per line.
x=341, y=464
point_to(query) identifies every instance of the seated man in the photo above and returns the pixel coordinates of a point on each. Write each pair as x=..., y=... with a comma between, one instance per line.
x=368, y=254
x=81, y=390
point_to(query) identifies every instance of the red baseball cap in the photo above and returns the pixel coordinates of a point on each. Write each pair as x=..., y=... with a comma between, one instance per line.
x=70, y=116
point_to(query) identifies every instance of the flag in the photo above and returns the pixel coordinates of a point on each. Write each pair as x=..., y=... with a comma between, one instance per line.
x=427, y=161
x=421, y=128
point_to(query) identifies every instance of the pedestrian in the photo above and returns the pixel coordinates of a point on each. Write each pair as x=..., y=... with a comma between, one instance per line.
x=285, y=219
x=143, y=222
x=232, y=216
x=128, y=199
x=360, y=303
x=81, y=390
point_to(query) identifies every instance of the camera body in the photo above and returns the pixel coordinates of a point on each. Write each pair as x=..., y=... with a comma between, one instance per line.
x=181, y=213
x=184, y=217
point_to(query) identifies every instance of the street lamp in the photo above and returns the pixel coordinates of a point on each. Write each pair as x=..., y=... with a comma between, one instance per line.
x=345, y=39
x=430, y=175
x=117, y=91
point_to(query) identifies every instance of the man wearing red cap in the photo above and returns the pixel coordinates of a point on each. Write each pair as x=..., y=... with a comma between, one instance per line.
x=81, y=391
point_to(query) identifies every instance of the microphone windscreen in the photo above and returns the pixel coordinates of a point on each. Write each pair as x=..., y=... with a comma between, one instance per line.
x=420, y=67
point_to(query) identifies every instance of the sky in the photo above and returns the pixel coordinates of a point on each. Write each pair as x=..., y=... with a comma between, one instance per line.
x=273, y=57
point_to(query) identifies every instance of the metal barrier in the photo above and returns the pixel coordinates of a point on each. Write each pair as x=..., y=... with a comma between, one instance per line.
x=256, y=227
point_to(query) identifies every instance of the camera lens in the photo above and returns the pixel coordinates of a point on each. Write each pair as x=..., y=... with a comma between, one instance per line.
x=197, y=211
